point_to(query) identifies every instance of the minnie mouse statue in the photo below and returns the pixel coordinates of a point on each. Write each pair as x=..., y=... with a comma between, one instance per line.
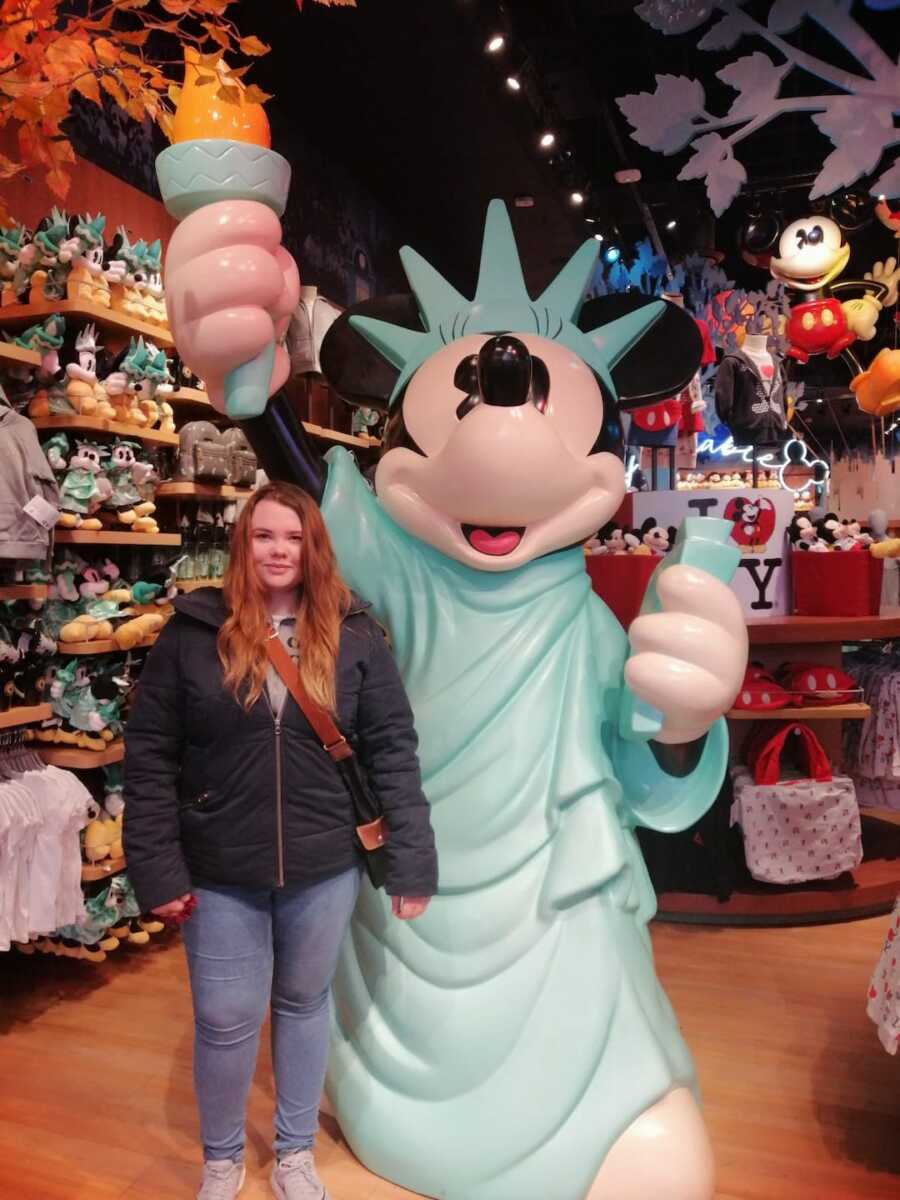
x=516, y=1042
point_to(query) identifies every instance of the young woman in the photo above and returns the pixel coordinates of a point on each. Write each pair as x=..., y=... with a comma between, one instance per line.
x=232, y=802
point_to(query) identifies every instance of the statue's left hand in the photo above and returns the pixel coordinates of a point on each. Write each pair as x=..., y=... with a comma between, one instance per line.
x=688, y=660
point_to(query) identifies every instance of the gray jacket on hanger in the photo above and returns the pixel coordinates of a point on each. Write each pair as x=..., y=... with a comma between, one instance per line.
x=752, y=411
x=24, y=473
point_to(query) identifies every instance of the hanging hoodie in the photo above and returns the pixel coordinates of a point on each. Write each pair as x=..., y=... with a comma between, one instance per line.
x=24, y=474
x=751, y=407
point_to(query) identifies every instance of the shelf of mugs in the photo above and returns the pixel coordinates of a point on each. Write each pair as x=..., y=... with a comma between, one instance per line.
x=19, y=315
x=10, y=353
x=103, y=646
x=91, y=872
x=153, y=437
x=341, y=439
x=25, y=716
x=191, y=585
x=111, y=537
x=23, y=591
x=178, y=490
x=73, y=758
x=822, y=712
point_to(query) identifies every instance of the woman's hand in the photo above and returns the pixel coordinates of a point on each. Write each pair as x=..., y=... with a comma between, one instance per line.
x=173, y=908
x=407, y=908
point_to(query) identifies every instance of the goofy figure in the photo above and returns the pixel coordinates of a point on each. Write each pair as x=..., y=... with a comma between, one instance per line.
x=514, y=1042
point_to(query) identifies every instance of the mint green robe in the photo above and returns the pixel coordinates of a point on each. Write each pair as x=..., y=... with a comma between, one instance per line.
x=495, y=1048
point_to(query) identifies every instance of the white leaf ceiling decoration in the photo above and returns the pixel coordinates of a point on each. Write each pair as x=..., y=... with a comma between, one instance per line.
x=859, y=120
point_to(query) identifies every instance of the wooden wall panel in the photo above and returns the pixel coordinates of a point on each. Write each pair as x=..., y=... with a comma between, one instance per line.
x=93, y=190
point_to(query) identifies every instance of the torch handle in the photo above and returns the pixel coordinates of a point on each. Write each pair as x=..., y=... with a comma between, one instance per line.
x=247, y=386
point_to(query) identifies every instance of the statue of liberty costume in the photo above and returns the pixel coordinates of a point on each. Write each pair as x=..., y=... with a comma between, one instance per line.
x=496, y=1048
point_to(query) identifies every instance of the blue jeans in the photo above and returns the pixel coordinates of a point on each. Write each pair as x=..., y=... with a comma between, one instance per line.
x=244, y=946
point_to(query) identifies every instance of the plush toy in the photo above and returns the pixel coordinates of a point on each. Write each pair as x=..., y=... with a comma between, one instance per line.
x=364, y=422
x=45, y=261
x=655, y=537
x=154, y=302
x=124, y=378
x=803, y=535
x=125, y=259
x=159, y=584
x=83, y=486
x=87, y=279
x=840, y=533
x=13, y=239
x=73, y=387
x=127, y=475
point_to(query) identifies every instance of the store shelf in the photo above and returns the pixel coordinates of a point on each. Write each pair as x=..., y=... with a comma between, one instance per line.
x=91, y=872
x=17, y=316
x=102, y=646
x=191, y=585
x=189, y=396
x=340, y=439
x=868, y=891
x=153, y=437
x=779, y=631
x=24, y=591
x=10, y=353
x=25, y=716
x=109, y=537
x=177, y=490
x=821, y=712
x=73, y=758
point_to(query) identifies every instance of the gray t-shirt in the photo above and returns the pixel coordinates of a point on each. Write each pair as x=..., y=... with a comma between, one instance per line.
x=274, y=684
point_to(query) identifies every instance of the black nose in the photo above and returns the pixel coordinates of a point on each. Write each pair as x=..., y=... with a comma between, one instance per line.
x=504, y=371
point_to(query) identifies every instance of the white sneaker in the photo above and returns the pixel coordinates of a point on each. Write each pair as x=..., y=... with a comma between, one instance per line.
x=295, y=1178
x=222, y=1180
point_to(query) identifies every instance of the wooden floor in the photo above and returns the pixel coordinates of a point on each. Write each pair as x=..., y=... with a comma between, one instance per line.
x=801, y=1100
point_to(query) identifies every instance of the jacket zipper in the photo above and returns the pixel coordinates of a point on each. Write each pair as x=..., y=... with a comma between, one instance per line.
x=279, y=807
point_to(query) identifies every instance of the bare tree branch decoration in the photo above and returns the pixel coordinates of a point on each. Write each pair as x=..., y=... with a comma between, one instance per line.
x=859, y=121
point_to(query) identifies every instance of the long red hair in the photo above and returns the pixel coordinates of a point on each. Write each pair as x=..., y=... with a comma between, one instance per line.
x=324, y=600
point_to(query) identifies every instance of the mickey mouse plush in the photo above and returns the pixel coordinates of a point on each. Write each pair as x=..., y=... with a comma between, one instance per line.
x=496, y=467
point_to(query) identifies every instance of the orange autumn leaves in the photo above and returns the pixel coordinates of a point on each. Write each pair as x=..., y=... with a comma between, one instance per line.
x=46, y=55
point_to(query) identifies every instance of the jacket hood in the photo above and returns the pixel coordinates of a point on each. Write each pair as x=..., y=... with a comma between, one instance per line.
x=207, y=605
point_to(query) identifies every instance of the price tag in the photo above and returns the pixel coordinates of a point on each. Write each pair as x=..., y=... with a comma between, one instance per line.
x=42, y=511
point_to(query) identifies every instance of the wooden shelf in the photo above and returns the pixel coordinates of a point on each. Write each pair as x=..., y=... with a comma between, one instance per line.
x=191, y=585
x=102, y=646
x=780, y=631
x=17, y=316
x=72, y=757
x=91, y=872
x=190, y=396
x=178, y=490
x=10, y=353
x=25, y=716
x=340, y=439
x=153, y=437
x=109, y=537
x=24, y=591
x=868, y=891
x=813, y=712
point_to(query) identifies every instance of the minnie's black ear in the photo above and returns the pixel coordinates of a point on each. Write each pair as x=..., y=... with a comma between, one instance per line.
x=352, y=366
x=662, y=362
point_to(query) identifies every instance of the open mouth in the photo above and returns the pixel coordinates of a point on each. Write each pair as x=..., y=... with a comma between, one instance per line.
x=494, y=539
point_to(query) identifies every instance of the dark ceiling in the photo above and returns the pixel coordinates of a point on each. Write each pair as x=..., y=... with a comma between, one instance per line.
x=403, y=93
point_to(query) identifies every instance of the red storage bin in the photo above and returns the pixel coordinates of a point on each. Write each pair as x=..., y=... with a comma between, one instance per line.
x=620, y=581
x=844, y=583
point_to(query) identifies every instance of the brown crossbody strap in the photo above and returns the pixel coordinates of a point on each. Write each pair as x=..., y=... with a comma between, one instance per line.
x=372, y=833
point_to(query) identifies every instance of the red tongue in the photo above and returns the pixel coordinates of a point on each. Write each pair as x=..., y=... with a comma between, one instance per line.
x=502, y=543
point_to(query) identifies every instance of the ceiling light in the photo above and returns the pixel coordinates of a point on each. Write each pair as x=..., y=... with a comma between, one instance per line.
x=496, y=44
x=671, y=224
x=577, y=198
x=612, y=254
x=524, y=201
x=513, y=83
x=547, y=140
x=598, y=237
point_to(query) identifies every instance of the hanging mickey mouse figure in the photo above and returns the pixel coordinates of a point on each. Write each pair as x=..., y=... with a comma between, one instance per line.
x=812, y=254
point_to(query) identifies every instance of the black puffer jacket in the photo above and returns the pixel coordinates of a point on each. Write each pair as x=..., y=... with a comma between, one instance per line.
x=216, y=793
